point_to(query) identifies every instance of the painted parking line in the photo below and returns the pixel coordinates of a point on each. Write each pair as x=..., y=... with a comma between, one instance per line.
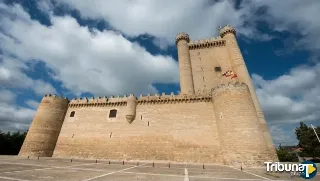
x=10, y=178
x=190, y=176
x=186, y=178
x=265, y=178
x=103, y=175
x=49, y=168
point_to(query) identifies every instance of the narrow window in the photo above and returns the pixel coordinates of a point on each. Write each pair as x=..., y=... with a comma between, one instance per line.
x=141, y=117
x=203, y=78
x=217, y=69
x=113, y=113
x=148, y=123
x=72, y=114
x=110, y=134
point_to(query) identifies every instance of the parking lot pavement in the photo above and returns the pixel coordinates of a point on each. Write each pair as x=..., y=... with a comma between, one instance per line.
x=55, y=169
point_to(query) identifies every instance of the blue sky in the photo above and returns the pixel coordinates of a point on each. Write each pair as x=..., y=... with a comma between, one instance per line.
x=101, y=48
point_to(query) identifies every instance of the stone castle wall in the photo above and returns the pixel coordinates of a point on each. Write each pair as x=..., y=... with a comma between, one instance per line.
x=174, y=128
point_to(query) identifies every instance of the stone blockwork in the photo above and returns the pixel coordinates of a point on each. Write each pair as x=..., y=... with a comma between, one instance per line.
x=241, y=136
x=177, y=128
x=215, y=119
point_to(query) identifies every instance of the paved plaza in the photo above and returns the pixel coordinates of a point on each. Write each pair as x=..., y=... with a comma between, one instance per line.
x=54, y=169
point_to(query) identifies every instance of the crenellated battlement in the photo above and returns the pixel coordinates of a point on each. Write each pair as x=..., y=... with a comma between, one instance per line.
x=226, y=29
x=182, y=36
x=142, y=99
x=238, y=86
x=55, y=96
x=206, y=43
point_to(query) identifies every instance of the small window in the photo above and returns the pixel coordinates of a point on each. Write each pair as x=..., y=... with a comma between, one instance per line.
x=113, y=113
x=217, y=69
x=72, y=114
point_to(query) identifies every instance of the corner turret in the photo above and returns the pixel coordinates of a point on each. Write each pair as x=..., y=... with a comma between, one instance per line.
x=45, y=128
x=228, y=29
x=182, y=36
x=131, y=108
x=237, y=120
x=185, y=69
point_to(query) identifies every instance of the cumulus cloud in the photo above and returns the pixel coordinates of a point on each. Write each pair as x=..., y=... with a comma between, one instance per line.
x=294, y=16
x=164, y=19
x=280, y=136
x=12, y=75
x=101, y=63
x=291, y=98
x=32, y=104
x=13, y=117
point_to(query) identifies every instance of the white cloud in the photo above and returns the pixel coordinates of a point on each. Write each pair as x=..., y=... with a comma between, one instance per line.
x=32, y=104
x=102, y=63
x=13, y=118
x=7, y=96
x=164, y=19
x=291, y=98
x=295, y=16
x=282, y=137
x=12, y=75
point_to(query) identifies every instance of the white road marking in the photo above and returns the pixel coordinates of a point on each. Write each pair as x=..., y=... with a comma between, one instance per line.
x=99, y=176
x=11, y=163
x=251, y=173
x=52, y=167
x=173, y=175
x=10, y=178
x=186, y=178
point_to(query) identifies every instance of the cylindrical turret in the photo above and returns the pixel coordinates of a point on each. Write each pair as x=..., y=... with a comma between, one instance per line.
x=131, y=108
x=238, y=126
x=45, y=128
x=239, y=67
x=186, y=78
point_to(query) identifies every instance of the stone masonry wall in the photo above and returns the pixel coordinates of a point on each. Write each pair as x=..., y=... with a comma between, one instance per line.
x=204, y=61
x=176, y=131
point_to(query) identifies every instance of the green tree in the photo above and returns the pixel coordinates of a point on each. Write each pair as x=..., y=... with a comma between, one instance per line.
x=10, y=143
x=308, y=140
x=286, y=155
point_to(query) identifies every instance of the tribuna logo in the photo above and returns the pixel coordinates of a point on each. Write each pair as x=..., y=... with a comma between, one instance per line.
x=306, y=169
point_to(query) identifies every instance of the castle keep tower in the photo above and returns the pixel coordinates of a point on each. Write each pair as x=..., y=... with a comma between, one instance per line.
x=45, y=128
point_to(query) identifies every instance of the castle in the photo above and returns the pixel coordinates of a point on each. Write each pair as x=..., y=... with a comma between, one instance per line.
x=216, y=118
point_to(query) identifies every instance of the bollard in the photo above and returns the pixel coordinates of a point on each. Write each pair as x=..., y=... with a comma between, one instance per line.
x=96, y=161
x=71, y=160
x=241, y=167
x=152, y=164
x=109, y=162
x=38, y=157
x=169, y=165
x=203, y=166
x=137, y=163
x=122, y=162
x=28, y=157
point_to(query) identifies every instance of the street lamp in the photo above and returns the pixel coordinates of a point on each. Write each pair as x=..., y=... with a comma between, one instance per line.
x=315, y=133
